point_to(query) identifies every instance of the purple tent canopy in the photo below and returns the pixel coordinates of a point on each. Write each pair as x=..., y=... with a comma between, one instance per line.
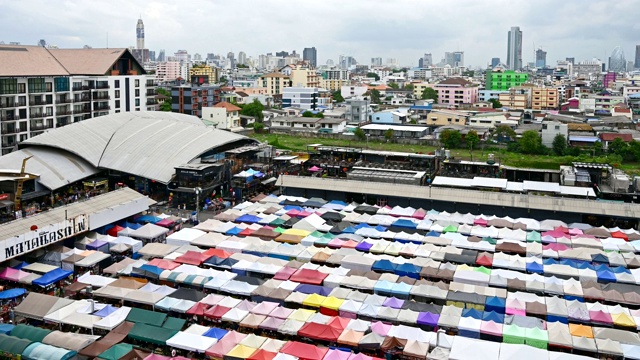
x=427, y=318
x=364, y=246
x=271, y=323
x=393, y=302
x=313, y=289
x=96, y=245
x=105, y=311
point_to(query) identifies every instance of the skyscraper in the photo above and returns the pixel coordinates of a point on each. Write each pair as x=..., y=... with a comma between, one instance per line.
x=637, y=62
x=242, y=58
x=541, y=58
x=140, y=35
x=617, y=62
x=494, y=62
x=310, y=55
x=161, y=56
x=514, y=48
x=454, y=59
x=427, y=60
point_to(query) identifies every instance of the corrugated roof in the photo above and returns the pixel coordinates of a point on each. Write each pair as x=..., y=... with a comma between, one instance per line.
x=228, y=106
x=87, y=61
x=57, y=168
x=20, y=60
x=148, y=143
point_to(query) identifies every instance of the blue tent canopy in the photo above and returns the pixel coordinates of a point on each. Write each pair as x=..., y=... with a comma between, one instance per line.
x=12, y=293
x=401, y=289
x=215, y=333
x=404, y=223
x=313, y=289
x=380, y=228
x=383, y=286
x=476, y=314
x=569, y=262
x=384, y=266
x=105, y=311
x=496, y=304
x=408, y=269
x=21, y=265
x=493, y=316
x=234, y=231
x=152, y=269
x=620, y=270
x=52, y=277
x=293, y=207
x=549, y=261
x=148, y=219
x=604, y=274
x=534, y=267
x=581, y=264
x=349, y=230
x=6, y=328
x=248, y=218
x=132, y=226
x=433, y=233
x=362, y=225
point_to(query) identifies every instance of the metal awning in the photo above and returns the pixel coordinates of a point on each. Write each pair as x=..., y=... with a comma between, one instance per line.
x=269, y=181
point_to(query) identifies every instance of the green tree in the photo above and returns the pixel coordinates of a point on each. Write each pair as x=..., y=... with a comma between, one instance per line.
x=450, y=138
x=408, y=87
x=337, y=96
x=393, y=85
x=258, y=127
x=618, y=147
x=307, y=114
x=360, y=135
x=634, y=150
x=503, y=131
x=254, y=109
x=597, y=148
x=430, y=94
x=469, y=73
x=373, y=75
x=530, y=142
x=166, y=105
x=223, y=80
x=495, y=103
x=471, y=139
x=375, y=96
x=388, y=135
x=559, y=145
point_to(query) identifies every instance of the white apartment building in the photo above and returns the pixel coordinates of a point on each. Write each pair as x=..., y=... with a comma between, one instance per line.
x=42, y=89
x=168, y=71
x=306, y=98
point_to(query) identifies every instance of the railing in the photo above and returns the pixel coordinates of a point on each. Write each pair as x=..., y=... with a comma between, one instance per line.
x=8, y=105
x=41, y=127
x=37, y=116
x=101, y=97
x=81, y=111
x=64, y=101
x=151, y=93
x=151, y=102
x=102, y=86
x=82, y=99
x=101, y=107
x=39, y=103
x=80, y=88
x=8, y=145
x=65, y=112
x=9, y=131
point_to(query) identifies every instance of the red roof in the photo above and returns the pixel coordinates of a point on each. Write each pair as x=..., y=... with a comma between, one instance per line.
x=192, y=258
x=228, y=106
x=304, y=351
x=320, y=332
x=307, y=276
x=216, y=312
x=613, y=136
x=620, y=109
x=198, y=309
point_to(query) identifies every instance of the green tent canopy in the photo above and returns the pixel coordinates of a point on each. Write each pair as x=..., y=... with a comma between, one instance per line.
x=483, y=269
x=29, y=332
x=116, y=351
x=490, y=240
x=537, y=338
x=513, y=334
x=147, y=317
x=151, y=334
x=534, y=236
x=450, y=228
x=13, y=345
x=173, y=323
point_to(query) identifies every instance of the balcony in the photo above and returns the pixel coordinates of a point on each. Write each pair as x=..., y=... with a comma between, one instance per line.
x=41, y=127
x=82, y=111
x=37, y=115
x=64, y=101
x=151, y=102
x=64, y=112
x=101, y=86
x=101, y=97
x=150, y=83
x=39, y=102
x=81, y=88
x=151, y=92
x=82, y=99
x=101, y=107
x=8, y=144
x=10, y=131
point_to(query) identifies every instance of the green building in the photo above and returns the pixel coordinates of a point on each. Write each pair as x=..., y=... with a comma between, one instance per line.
x=504, y=80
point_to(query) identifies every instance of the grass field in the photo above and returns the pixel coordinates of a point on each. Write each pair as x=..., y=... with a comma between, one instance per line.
x=298, y=144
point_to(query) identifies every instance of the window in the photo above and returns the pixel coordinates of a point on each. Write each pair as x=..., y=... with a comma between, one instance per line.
x=23, y=137
x=8, y=86
x=117, y=104
x=49, y=86
x=137, y=92
x=137, y=102
x=137, y=82
x=22, y=88
x=36, y=85
x=117, y=84
x=61, y=84
x=117, y=96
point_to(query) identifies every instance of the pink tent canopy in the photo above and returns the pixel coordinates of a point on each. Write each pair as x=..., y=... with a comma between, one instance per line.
x=336, y=243
x=284, y=273
x=600, y=317
x=574, y=231
x=281, y=312
x=555, y=234
x=228, y=342
x=480, y=222
x=490, y=327
x=314, y=168
x=156, y=357
x=380, y=328
x=335, y=354
x=264, y=308
x=13, y=274
x=555, y=247
x=419, y=214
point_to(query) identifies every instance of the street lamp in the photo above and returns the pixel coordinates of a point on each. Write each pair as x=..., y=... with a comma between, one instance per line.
x=197, y=190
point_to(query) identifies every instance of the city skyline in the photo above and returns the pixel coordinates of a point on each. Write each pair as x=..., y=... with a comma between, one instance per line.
x=359, y=29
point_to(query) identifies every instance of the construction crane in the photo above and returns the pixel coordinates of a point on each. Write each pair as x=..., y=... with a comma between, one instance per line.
x=23, y=175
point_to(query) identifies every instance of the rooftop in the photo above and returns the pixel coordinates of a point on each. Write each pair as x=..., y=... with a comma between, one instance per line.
x=227, y=106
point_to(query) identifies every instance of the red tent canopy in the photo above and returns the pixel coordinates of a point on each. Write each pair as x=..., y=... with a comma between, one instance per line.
x=304, y=351
x=484, y=260
x=262, y=354
x=307, y=276
x=216, y=252
x=164, y=264
x=284, y=273
x=114, y=231
x=620, y=235
x=317, y=331
x=192, y=258
x=216, y=312
x=561, y=228
x=246, y=232
x=198, y=309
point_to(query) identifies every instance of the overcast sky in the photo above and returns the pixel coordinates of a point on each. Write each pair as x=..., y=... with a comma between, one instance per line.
x=402, y=29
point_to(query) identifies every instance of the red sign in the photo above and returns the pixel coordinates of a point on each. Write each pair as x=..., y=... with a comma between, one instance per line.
x=4, y=197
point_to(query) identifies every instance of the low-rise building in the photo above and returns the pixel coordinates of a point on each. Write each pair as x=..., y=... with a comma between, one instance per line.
x=491, y=120
x=289, y=123
x=504, y=80
x=332, y=125
x=456, y=91
x=395, y=116
x=222, y=115
x=301, y=97
x=550, y=130
x=348, y=91
x=516, y=99
x=608, y=138
x=544, y=99
x=399, y=131
x=446, y=117
x=357, y=111
x=486, y=95
x=274, y=83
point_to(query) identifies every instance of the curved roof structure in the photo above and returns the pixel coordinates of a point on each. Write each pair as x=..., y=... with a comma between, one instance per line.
x=148, y=144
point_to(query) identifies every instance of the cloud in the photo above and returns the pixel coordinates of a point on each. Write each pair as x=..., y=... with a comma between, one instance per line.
x=402, y=29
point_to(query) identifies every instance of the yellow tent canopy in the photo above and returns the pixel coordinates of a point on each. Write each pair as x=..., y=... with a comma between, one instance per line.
x=241, y=352
x=332, y=303
x=313, y=300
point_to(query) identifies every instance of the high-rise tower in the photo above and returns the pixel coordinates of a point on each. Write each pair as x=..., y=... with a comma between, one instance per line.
x=140, y=35
x=514, y=48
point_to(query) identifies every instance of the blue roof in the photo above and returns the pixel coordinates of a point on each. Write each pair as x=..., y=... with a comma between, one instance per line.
x=215, y=333
x=383, y=265
x=52, y=277
x=105, y=311
x=404, y=223
x=591, y=139
x=421, y=107
x=148, y=219
x=248, y=218
x=383, y=285
x=12, y=293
